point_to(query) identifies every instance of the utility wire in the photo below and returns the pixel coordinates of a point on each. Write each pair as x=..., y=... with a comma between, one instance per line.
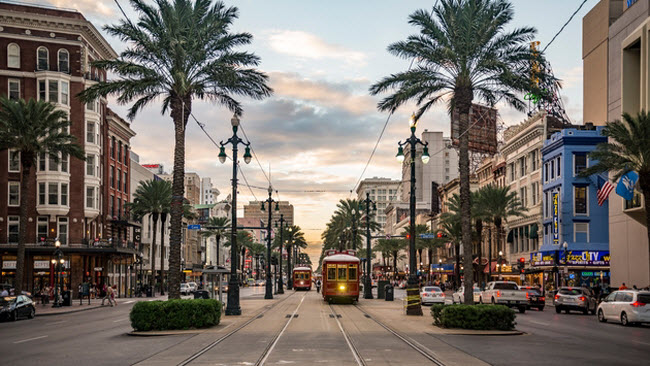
x=565, y=24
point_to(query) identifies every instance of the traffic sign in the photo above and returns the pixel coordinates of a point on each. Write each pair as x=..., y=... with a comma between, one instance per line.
x=427, y=236
x=193, y=227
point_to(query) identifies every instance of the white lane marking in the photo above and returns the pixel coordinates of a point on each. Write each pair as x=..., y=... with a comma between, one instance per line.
x=540, y=323
x=30, y=339
x=59, y=322
x=128, y=302
x=120, y=320
x=639, y=342
x=282, y=331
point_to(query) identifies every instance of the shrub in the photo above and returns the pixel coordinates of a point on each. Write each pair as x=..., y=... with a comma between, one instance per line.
x=175, y=314
x=479, y=317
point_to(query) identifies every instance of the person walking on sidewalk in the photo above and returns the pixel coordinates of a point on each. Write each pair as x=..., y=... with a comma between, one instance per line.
x=108, y=292
x=113, y=289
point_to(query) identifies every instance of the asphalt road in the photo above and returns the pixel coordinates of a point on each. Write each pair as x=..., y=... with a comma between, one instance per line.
x=560, y=339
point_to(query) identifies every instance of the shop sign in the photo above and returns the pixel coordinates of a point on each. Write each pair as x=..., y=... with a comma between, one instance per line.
x=41, y=264
x=98, y=269
x=542, y=258
x=585, y=258
x=556, y=219
x=594, y=274
x=9, y=265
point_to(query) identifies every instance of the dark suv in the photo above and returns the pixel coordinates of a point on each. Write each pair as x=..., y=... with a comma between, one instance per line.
x=575, y=298
x=535, y=298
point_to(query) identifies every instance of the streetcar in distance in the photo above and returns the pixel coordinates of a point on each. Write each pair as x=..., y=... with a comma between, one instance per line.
x=302, y=278
x=340, y=276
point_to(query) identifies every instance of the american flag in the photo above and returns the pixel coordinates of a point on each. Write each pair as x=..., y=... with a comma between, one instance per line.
x=605, y=189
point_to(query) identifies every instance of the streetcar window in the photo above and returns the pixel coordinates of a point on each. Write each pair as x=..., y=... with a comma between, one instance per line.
x=352, y=273
x=342, y=273
x=331, y=273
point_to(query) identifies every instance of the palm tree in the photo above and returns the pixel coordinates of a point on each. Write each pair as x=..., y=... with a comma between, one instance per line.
x=393, y=247
x=462, y=53
x=451, y=228
x=179, y=50
x=220, y=230
x=497, y=204
x=33, y=128
x=257, y=251
x=420, y=244
x=152, y=197
x=244, y=240
x=627, y=149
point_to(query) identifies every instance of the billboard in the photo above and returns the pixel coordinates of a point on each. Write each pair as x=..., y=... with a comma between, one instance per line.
x=482, y=129
x=556, y=219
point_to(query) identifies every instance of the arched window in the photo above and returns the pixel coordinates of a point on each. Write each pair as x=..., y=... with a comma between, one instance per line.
x=64, y=61
x=13, y=55
x=42, y=58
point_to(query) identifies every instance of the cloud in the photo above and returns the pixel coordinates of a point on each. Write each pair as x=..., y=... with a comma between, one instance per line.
x=86, y=7
x=571, y=78
x=306, y=45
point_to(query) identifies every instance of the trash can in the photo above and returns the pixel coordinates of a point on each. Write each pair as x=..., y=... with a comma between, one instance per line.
x=380, y=288
x=67, y=298
x=149, y=291
x=388, y=290
x=201, y=294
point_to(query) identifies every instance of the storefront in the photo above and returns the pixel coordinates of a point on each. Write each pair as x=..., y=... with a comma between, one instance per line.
x=574, y=268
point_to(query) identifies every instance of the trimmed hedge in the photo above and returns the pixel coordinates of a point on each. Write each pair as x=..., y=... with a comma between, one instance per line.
x=479, y=317
x=175, y=314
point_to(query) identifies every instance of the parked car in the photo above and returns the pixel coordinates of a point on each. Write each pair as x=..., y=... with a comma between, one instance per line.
x=626, y=307
x=504, y=293
x=535, y=298
x=458, y=297
x=575, y=298
x=260, y=282
x=185, y=289
x=14, y=307
x=432, y=295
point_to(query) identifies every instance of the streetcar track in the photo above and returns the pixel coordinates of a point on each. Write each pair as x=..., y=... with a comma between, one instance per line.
x=226, y=336
x=348, y=339
x=269, y=348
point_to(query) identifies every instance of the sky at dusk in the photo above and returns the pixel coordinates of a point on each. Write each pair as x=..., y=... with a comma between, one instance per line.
x=317, y=130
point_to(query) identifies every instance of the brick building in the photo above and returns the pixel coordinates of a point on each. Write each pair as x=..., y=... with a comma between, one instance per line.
x=46, y=54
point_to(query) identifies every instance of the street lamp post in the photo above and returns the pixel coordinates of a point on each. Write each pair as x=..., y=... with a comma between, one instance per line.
x=269, y=283
x=289, y=261
x=280, y=280
x=565, y=248
x=354, y=229
x=412, y=290
x=233, y=307
x=367, y=286
x=499, y=265
x=57, y=267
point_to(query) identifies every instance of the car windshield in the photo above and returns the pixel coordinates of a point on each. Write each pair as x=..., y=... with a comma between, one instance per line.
x=432, y=289
x=476, y=289
x=570, y=291
x=505, y=286
x=643, y=298
x=6, y=300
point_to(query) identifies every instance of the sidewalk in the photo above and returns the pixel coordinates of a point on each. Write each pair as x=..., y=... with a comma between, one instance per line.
x=47, y=309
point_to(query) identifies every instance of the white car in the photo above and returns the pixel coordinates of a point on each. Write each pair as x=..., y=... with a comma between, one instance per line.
x=458, y=297
x=193, y=286
x=626, y=307
x=504, y=293
x=432, y=295
x=185, y=289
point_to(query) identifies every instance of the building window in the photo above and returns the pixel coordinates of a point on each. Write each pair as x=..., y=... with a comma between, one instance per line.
x=581, y=232
x=634, y=203
x=533, y=160
x=579, y=163
x=64, y=61
x=126, y=153
x=111, y=205
x=54, y=165
x=41, y=228
x=53, y=91
x=125, y=180
x=113, y=147
x=522, y=166
x=14, y=161
x=14, y=193
x=523, y=196
x=13, y=229
x=14, y=89
x=534, y=191
x=64, y=194
x=119, y=152
x=64, y=162
x=580, y=200
x=65, y=91
x=552, y=168
x=119, y=179
x=63, y=230
x=41, y=193
x=112, y=176
x=512, y=172
x=42, y=90
x=41, y=162
x=90, y=197
x=90, y=132
x=53, y=193
x=43, y=61
x=90, y=165
x=13, y=56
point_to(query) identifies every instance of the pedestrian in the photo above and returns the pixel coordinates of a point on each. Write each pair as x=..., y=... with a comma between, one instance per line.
x=4, y=292
x=318, y=285
x=107, y=295
x=113, y=295
x=623, y=287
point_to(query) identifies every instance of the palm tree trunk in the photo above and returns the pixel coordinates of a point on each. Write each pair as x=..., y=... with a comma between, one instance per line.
x=26, y=162
x=464, y=99
x=644, y=184
x=218, y=237
x=181, y=107
x=479, y=231
x=163, y=220
x=152, y=280
x=394, y=266
x=430, y=255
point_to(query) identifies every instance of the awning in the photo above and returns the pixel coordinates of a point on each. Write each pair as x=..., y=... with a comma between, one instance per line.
x=533, y=231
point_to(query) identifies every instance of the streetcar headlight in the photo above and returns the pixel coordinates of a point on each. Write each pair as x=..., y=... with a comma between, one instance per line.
x=342, y=287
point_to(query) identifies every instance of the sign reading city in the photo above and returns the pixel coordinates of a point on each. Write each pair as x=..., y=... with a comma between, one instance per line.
x=194, y=227
x=556, y=219
x=575, y=258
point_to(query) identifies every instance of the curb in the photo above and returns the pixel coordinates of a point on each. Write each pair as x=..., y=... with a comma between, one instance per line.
x=70, y=311
x=468, y=332
x=134, y=333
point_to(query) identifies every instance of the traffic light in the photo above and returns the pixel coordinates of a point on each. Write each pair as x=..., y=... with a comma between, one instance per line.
x=521, y=264
x=439, y=234
x=408, y=236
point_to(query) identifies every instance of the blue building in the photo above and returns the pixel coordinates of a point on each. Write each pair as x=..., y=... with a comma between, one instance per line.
x=571, y=213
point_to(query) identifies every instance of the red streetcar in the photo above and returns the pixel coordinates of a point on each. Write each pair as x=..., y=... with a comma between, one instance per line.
x=340, y=276
x=302, y=278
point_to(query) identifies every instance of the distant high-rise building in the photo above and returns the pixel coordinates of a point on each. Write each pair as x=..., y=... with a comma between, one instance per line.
x=383, y=191
x=253, y=210
x=209, y=193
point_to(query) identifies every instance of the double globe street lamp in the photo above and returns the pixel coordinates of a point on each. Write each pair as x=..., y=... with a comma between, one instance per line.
x=280, y=280
x=269, y=283
x=367, y=286
x=412, y=290
x=233, y=307
x=57, y=263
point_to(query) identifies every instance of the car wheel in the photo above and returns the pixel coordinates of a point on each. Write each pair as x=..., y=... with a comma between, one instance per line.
x=492, y=301
x=601, y=317
x=540, y=308
x=522, y=309
x=624, y=321
x=585, y=311
x=32, y=313
x=558, y=309
x=13, y=316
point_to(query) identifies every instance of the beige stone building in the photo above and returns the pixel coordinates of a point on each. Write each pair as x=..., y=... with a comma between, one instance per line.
x=253, y=211
x=382, y=191
x=615, y=64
